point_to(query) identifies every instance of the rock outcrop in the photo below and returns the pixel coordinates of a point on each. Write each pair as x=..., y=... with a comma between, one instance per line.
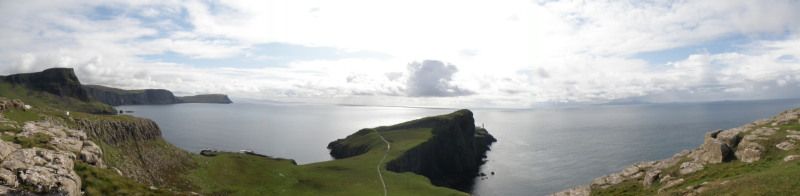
x=141, y=153
x=44, y=170
x=6, y=104
x=744, y=144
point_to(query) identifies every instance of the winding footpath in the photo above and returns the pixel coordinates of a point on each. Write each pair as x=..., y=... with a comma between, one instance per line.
x=388, y=147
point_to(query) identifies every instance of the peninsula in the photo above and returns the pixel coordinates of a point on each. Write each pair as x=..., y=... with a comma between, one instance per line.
x=47, y=150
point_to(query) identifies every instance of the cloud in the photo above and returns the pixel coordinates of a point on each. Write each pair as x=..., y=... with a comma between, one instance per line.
x=433, y=78
x=512, y=54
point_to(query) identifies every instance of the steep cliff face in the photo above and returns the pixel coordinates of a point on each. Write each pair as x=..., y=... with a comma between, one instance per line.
x=135, y=147
x=451, y=157
x=114, y=130
x=57, y=81
x=114, y=96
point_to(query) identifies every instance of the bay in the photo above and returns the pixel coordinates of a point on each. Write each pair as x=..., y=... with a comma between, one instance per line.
x=539, y=151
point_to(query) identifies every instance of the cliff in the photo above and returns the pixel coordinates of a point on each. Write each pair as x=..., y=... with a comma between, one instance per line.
x=54, y=88
x=206, y=98
x=759, y=158
x=115, y=96
x=56, y=81
x=134, y=146
x=450, y=157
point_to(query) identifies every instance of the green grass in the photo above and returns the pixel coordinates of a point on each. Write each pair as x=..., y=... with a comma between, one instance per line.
x=97, y=181
x=47, y=100
x=240, y=174
x=38, y=140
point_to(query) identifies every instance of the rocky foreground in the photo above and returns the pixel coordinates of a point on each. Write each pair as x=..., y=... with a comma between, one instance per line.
x=747, y=145
x=43, y=169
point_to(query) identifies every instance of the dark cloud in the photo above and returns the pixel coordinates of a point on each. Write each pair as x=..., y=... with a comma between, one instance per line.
x=433, y=78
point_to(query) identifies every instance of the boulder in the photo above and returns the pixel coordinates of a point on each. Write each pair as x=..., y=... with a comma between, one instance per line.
x=786, y=145
x=92, y=154
x=584, y=190
x=650, y=177
x=731, y=136
x=790, y=158
x=793, y=132
x=7, y=148
x=45, y=171
x=608, y=180
x=749, y=151
x=671, y=184
x=712, y=151
x=690, y=167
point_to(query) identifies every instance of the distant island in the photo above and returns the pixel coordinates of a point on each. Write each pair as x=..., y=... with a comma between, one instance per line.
x=51, y=118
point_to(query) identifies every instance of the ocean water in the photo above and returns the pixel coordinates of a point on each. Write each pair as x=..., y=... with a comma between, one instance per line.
x=539, y=151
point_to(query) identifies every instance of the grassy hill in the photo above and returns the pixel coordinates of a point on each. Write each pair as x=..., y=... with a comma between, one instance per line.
x=242, y=174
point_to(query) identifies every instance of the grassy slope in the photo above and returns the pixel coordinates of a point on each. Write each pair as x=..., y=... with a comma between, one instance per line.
x=114, y=90
x=43, y=99
x=240, y=174
x=767, y=176
x=230, y=173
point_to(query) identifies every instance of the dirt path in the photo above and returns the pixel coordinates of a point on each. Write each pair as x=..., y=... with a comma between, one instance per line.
x=388, y=147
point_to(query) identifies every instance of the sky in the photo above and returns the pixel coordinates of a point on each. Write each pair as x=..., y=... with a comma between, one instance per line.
x=459, y=53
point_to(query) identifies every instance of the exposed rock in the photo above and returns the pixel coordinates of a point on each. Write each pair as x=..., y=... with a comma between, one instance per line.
x=7, y=148
x=630, y=171
x=731, y=136
x=786, y=145
x=716, y=147
x=92, y=154
x=690, y=167
x=662, y=164
x=790, y=158
x=793, y=132
x=650, y=177
x=765, y=131
x=797, y=137
x=6, y=104
x=46, y=171
x=786, y=117
x=584, y=190
x=113, y=131
x=671, y=184
x=608, y=180
x=665, y=179
x=7, y=177
x=749, y=151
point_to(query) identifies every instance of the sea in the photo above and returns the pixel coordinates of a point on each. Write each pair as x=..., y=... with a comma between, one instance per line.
x=538, y=152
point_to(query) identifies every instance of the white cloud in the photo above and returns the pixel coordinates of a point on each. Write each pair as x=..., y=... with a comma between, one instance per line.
x=510, y=53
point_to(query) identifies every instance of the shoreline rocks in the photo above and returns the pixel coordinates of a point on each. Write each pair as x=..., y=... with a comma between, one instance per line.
x=737, y=144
